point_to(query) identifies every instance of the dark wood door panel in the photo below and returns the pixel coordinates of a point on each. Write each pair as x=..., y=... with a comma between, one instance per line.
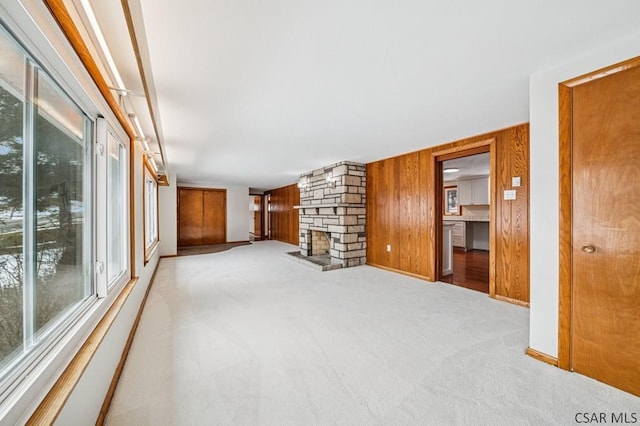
x=190, y=211
x=214, y=229
x=202, y=216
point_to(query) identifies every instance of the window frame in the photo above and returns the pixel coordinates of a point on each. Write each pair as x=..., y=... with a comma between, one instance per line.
x=103, y=131
x=34, y=29
x=16, y=369
x=151, y=246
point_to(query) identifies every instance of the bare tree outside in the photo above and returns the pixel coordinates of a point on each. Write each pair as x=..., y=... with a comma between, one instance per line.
x=56, y=257
x=11, y=225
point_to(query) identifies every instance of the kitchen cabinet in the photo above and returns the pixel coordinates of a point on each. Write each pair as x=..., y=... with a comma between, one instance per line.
x=447, y=250
x=457, y=234
x=460, y=235
x=473, y=191
x=469, y=235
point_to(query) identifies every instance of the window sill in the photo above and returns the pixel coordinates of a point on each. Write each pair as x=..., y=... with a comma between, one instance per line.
x=54, y=401
x=150, y=251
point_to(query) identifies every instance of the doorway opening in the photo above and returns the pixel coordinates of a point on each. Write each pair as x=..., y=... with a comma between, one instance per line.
x=256, y=222
x=464, y=182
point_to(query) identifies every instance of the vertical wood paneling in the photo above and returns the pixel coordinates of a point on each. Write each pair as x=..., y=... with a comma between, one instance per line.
x=284, y=218
x=397, y=214
x=503, y=219
x=426, y=214
x=519, y=283
x=401, y=202
x=512, y=219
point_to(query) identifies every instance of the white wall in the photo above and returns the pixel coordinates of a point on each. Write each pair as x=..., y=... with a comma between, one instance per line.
x=543, y=332
x=167, y=207
x=238, y=213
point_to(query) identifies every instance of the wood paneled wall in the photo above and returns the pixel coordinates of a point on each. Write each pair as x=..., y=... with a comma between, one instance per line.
x=512, y=217
x=401, y=208
x=284, y=218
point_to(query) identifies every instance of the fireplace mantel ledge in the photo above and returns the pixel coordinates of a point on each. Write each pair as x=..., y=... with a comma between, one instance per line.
x=320, y=206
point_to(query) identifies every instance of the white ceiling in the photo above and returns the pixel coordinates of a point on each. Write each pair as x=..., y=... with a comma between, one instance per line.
x=470, y=166
x=255, y=93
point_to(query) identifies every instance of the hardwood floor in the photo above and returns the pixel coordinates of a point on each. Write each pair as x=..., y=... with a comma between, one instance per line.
x=470, y=270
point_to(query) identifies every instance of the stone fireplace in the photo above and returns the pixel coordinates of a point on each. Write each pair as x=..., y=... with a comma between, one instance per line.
x=333, y=216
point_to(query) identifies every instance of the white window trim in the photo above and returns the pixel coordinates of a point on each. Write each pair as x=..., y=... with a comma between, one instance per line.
x=148, y=174
x=103, y=128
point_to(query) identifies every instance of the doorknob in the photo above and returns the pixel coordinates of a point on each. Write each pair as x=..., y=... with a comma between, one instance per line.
x=589, y=248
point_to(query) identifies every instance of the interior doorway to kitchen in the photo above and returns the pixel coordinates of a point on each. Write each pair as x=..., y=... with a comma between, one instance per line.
x=466, y=219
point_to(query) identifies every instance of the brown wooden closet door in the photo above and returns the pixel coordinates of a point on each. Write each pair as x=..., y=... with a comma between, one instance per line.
x=190, y=214
x=605, y=338
x=214, y=230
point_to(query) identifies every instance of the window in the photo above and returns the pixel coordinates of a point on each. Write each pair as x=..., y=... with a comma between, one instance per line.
x=117, y=205
x=64, y=205
x=150, y=211
x=45, y=215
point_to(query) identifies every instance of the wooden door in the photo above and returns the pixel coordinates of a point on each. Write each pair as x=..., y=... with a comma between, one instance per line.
x=202, y=216
x=257, y=217
x=605, y=314
x=214, y=229
x=190, y=211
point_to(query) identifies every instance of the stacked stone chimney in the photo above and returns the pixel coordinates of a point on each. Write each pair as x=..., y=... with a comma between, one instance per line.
x=333, y=201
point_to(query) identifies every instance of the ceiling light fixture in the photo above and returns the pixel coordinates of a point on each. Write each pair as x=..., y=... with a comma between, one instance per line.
x=145, y=144
x=136, y=124
x=452, y=170
x=103, y=45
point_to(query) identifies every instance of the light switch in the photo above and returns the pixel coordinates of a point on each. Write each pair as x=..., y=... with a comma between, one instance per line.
x=510, y=194
x=515, y=181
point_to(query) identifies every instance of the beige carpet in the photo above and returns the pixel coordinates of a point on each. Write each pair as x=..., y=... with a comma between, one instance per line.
x=249, y=337
x=206, y=249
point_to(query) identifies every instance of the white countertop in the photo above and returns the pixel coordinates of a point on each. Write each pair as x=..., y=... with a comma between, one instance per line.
x=463, y=219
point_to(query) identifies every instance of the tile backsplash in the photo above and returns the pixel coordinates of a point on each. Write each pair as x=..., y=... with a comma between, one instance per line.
x=475, y=212
x=472, y=213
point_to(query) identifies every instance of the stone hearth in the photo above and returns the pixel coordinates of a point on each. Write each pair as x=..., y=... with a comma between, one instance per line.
x=332, y=202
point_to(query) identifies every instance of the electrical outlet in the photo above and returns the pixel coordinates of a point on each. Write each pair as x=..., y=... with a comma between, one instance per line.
x=388, y=248
x=510, y=194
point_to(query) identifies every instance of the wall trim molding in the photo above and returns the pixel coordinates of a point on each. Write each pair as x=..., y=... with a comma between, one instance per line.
x=398, y=271
x=510, y=300
x=540, y=356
